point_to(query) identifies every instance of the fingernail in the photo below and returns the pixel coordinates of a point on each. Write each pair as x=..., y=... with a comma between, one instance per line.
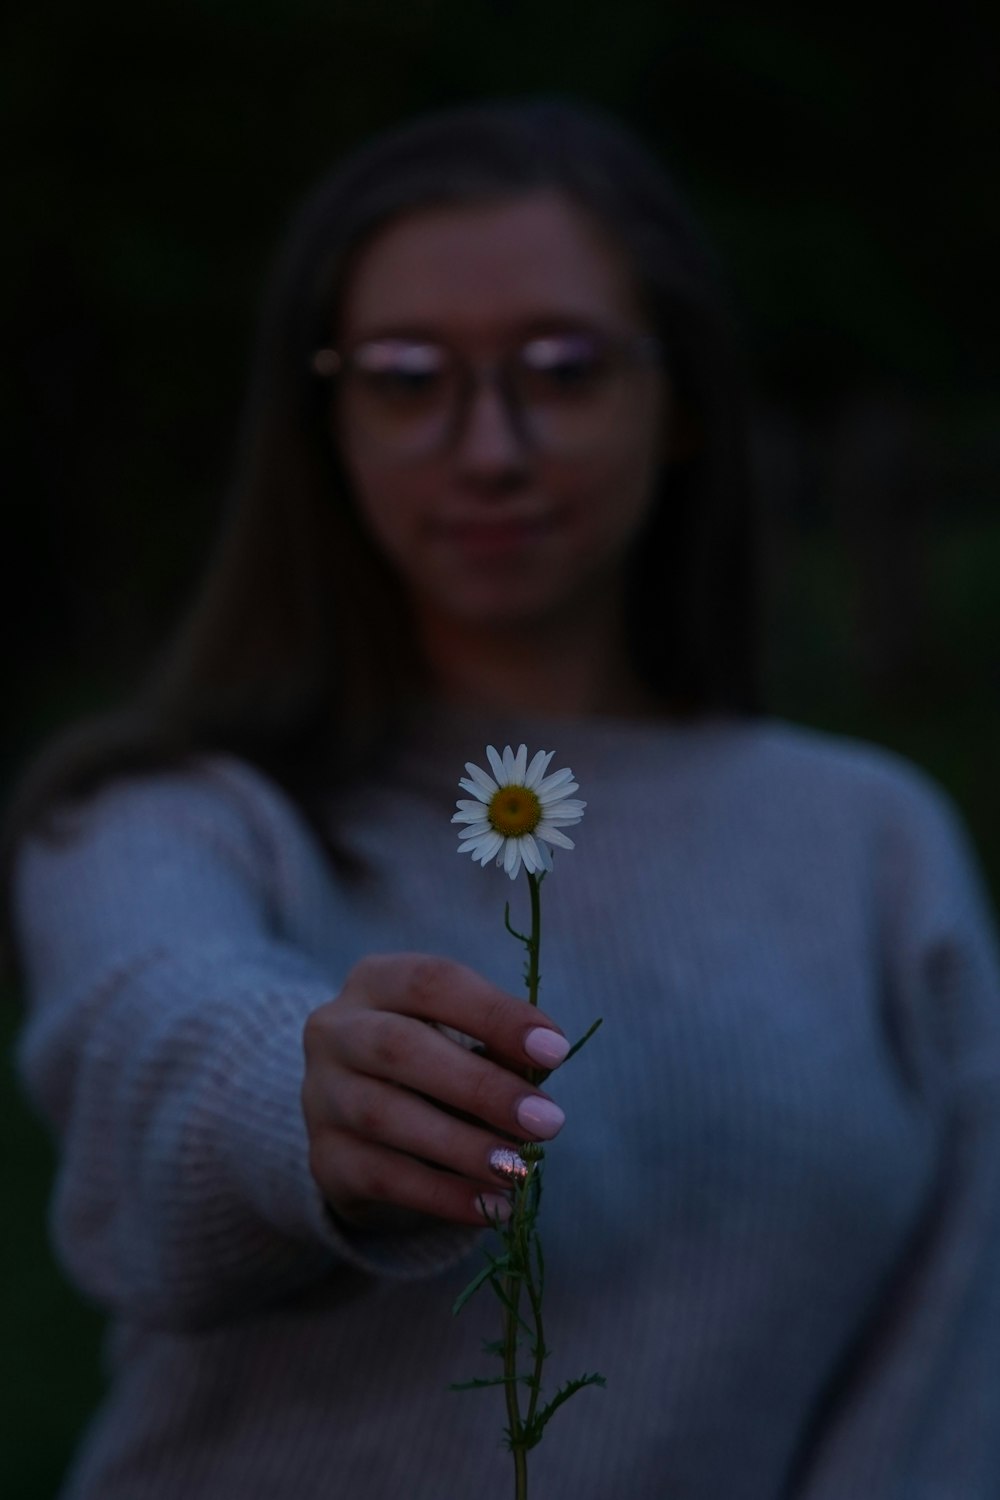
x=546, y=1047
x=494, y=1207
x=540, y=1116
x=508, y=1164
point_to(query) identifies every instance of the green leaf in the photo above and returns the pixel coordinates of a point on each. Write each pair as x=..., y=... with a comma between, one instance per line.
x=521, y=936
x=543, y=1417
x=508, y=1304
x=583, y=1041
x=500, y=1263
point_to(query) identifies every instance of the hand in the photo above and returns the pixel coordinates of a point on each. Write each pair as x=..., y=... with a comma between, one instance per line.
x=400, y=1115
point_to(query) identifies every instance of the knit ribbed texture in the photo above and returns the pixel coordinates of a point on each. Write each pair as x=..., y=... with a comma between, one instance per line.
x=772, y=1219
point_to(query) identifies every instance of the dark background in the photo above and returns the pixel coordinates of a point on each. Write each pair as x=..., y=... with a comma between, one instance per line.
x=843, y=159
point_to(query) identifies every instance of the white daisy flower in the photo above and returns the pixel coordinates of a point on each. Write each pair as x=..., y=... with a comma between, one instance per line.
x=518, y=811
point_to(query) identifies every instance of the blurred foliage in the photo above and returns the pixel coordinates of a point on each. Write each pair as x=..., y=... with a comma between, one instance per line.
x=841, y=157
x=49, y=1377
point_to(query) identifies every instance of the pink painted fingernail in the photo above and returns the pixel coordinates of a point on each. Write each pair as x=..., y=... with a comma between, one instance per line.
x=546, y=1047
x=540, y=1116
x=494, y=1207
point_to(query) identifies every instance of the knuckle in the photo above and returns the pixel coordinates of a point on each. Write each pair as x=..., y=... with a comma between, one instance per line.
x=428, y=976
x=369, y=1119
x=387, y=1046
x=497, y=1014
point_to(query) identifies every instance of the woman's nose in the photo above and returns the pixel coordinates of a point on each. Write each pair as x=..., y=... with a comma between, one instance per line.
x=491, y=438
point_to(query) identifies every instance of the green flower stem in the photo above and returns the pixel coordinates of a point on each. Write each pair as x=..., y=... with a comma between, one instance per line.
x=512, y=1289
x=521, y=1267
x=534, y=942
x=535, y=1298
x=519, y=1236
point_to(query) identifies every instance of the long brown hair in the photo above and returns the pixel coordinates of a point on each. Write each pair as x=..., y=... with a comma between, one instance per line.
x=296, y=654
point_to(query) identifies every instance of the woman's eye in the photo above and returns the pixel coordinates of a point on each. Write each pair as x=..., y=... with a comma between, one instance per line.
x=392, y=368
x=564, y=364
x=403, y=381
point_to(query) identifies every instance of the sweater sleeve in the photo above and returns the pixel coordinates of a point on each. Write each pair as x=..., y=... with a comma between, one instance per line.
x=164, y=1045
x=915, y=1415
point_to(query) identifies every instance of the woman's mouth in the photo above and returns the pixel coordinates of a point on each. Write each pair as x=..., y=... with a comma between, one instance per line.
x=496, y=536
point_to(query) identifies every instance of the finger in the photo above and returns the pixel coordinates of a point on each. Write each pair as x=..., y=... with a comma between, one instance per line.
x=436, y=989
x=354, y=1175
x=385, y=1115
x=402, y=1051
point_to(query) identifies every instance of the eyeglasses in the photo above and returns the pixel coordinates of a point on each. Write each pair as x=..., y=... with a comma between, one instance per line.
x=564, y=393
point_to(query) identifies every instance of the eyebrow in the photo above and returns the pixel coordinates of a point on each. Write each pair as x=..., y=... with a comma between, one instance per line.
x=532, y=326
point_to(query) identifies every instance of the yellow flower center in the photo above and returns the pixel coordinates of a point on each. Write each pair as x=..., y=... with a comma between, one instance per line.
x=514, y=810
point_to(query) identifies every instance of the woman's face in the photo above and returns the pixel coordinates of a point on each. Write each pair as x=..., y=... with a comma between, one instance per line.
x=499, y=415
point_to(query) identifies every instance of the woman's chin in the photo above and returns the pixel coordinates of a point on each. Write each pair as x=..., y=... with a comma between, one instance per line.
x=498, y=610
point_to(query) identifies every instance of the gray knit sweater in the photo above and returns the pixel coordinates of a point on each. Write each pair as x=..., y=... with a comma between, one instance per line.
x=772, y=1219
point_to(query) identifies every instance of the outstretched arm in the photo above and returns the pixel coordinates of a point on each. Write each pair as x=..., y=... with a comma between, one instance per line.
x=169, y=1002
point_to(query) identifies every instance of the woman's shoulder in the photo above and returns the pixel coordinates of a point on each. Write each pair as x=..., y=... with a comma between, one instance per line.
x=213, y=846
x=218, y=789
x=905, y=822
x=856, y=772
x=870, y=810
x=173, y=825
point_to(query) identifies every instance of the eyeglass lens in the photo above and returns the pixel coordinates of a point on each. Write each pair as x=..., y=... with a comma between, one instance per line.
x=562, y=391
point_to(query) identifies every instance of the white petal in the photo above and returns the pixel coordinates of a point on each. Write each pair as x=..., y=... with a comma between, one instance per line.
x=557, y=794
x=537, y=769
x=474, y=848
x=520, y=764
x=479, y=831
x=561, y=819
x=491, y=844
x=483, y=793
x=512, y=858
x=483, y=848
x=476, y=831
x=546, y=854
x=557, y=779
x=531, y=854
x=478, y=809
x=553, y=836
x=479, y=776
x=496, y=765
x=567, y=809
x=508, y=764
x=470, y=837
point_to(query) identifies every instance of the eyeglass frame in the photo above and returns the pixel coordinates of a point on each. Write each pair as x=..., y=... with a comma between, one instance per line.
x=328, y=363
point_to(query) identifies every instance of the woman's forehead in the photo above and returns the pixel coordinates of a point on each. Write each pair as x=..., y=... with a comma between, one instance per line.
x=496, y=264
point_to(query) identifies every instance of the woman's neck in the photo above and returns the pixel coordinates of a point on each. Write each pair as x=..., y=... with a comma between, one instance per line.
x=562, y=670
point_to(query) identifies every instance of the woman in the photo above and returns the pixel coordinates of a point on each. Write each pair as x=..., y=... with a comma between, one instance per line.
x=493, y=491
